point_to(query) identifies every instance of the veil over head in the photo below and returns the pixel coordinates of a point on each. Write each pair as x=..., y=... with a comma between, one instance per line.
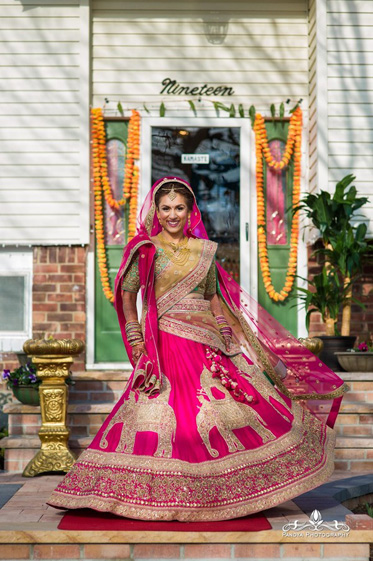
x=148, y=223
x=293, y=369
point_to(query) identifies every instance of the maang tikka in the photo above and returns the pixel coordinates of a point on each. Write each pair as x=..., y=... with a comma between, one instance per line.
x=172, y=194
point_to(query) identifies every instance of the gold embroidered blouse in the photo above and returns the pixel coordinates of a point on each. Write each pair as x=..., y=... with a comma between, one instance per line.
x=131, y=280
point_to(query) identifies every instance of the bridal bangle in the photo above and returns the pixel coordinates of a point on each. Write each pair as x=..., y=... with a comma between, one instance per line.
x=224, y=328
x=133, y=332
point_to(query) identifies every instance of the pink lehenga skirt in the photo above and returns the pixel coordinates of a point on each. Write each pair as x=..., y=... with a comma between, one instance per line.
x=200, y=451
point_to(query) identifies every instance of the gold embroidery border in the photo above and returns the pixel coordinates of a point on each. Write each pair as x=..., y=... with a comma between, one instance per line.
x=132, y=253
x=194, y=333
x=191, y=305
x=183, y=514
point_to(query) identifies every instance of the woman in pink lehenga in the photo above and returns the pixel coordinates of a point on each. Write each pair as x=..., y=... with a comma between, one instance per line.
x=202, y=431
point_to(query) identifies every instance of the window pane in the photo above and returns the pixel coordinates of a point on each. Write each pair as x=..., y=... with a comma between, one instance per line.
x=12, y=303
x=276, y=198
x=115, y=151
x=216, y=182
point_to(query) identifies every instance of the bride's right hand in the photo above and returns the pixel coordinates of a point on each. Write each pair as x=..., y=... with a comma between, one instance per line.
x=137, y=351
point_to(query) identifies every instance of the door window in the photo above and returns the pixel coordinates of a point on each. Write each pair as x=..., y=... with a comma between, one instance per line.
x=209, y=159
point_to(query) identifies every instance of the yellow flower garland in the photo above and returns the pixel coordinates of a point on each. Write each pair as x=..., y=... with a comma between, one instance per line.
x=101, y=184
x=293, y=148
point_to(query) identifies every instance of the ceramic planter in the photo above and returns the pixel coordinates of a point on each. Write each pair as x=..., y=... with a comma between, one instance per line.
x=27, y=394
x=356, y=361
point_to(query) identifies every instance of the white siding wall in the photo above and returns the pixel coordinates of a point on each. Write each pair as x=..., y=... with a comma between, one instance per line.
x=137, y=44
x=312, y=48
x=44, y=146
x=350, y=94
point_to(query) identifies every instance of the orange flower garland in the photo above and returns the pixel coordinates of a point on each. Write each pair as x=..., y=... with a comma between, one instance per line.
x=293, y=148
x=131, y=178
x=101, y=184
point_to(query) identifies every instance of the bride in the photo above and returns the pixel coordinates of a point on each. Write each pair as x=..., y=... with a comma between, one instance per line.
x=203, y=430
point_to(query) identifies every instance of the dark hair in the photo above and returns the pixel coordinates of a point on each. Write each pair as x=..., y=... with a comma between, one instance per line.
x=178, y=188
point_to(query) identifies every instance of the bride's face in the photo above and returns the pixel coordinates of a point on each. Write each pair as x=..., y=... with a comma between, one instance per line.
x=173, y=214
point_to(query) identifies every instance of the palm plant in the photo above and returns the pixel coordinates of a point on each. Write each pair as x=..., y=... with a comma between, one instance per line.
x=344, y=245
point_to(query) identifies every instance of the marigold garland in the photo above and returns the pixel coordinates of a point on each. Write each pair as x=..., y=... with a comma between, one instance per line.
x=292, y=148
x=101, y=184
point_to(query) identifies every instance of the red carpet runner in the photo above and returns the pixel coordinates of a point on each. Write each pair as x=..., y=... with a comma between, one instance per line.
x=87, y=519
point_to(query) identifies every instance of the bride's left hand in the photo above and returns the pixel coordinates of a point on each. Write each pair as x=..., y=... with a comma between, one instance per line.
x=228, y=342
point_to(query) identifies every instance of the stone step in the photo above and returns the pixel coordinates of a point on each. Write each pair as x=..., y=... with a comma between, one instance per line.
x=103, y=375
x=19, y=450
x=97, y=386
x=26, y=441
x=84, y=419
x=354, y=442
x=351, y=454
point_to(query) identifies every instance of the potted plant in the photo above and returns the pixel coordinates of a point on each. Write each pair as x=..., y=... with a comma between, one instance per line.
x=24, y=383
x=343, y=246
x=358, y=359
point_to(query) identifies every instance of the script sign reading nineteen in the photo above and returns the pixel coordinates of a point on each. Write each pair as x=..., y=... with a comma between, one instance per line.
x=172, y=87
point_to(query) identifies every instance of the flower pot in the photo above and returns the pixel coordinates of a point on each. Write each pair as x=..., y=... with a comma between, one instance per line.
x=356, y=362
x=334, y=344
x=28, y=395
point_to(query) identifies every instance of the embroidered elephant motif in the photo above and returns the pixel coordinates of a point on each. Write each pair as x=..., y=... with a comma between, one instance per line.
x=225, y=414
x=154, y=415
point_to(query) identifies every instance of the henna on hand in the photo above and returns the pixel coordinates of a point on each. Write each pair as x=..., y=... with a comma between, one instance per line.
x=137, y=351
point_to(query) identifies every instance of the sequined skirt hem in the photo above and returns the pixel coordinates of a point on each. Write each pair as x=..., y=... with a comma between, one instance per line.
x=249, y=504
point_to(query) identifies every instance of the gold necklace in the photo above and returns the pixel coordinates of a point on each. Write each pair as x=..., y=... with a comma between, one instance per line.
x=178, y=253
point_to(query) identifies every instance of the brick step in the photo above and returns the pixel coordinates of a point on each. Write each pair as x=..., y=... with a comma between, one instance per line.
x=97, y=386
x=351, y=454
x=356, y=376
x=19, y=450
x=25, y=441
x=355, y=442
x=84, y=419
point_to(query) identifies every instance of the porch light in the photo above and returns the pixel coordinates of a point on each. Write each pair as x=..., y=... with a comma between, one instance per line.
x=216, y=28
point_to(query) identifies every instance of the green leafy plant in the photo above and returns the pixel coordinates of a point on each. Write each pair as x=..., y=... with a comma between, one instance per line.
x=344, y=245
x=21, y=376
x=326, y=297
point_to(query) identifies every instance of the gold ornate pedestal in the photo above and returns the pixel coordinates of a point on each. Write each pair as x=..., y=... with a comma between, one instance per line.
x=52, y=359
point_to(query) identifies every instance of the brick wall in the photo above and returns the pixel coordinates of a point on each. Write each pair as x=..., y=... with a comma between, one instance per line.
x=58, y=296
x=131, y=552
x=361, y=320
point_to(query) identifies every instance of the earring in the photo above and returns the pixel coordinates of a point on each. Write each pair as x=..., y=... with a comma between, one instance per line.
x=189, y=222
x=159, y=220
